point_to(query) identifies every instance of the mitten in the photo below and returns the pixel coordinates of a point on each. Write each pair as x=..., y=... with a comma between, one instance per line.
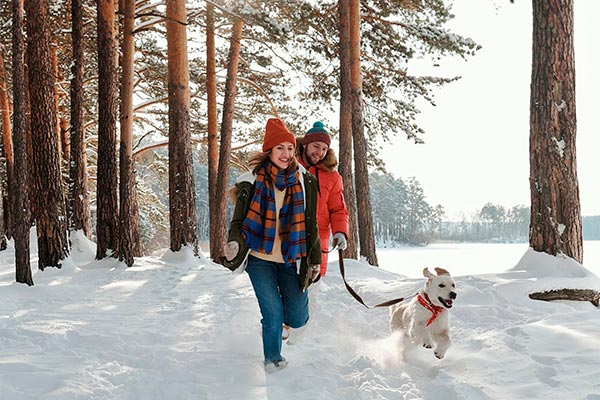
x=339, y=241
x=231, y=250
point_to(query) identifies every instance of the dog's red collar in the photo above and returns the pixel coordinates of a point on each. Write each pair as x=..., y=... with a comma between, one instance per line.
x=435, y=310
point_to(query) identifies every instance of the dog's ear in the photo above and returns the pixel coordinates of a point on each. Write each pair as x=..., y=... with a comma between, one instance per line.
x=441, y=271
x=427, y=273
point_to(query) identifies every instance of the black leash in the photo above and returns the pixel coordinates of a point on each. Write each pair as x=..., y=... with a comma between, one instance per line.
x=356, y=296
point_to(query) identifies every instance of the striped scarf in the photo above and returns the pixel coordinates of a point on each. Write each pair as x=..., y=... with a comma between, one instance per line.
x=259, y=225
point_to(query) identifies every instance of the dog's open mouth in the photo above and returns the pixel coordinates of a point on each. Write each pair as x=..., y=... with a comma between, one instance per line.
x=446, y=302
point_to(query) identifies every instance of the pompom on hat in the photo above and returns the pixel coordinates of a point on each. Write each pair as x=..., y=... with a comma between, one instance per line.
x=276, y=133
x=318, y=133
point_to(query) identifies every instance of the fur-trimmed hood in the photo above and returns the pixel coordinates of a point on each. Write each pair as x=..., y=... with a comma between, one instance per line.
x=329, y=163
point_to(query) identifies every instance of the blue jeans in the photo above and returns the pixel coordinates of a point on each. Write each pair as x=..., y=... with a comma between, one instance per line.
x=281, y=301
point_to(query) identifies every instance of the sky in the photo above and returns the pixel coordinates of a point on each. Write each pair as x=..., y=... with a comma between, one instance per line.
x=477, y=139
x=177, y=327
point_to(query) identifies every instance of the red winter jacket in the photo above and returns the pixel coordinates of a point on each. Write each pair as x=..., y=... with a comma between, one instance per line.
x=332, y=214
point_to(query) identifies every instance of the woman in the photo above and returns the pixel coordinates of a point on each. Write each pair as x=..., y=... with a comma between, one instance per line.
x=274, y=234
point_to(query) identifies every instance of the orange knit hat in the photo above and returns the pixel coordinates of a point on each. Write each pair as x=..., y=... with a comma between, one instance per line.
x=276, y=133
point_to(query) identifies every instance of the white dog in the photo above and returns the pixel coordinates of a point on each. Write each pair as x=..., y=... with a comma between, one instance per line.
x=424, y=319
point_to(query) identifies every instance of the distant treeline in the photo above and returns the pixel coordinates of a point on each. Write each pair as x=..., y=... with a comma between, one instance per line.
x=514, y=227
x=401, y=215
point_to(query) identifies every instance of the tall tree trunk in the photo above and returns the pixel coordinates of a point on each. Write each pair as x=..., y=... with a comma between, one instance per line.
x=7, y=149
x=345, y=167
x=78, y=178
x=64, y=145
x=61, y=121
x=226, y=131
x=555, y=211
x=107, y=229
x=65, y=139
x=50, y=211
x=363, y=196
x=20, y=208
x=3, y=211
x=129, y=221
x=56, y=93
x=29, y=149
x=211, y=132
x=182, y=197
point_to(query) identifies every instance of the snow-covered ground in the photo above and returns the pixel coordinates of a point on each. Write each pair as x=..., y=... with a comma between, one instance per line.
x=179, y=327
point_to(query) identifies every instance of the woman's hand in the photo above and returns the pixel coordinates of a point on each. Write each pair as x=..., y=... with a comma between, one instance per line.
x=231, y=250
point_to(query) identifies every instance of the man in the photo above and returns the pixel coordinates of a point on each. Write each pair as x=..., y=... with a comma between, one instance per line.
x=314, y=154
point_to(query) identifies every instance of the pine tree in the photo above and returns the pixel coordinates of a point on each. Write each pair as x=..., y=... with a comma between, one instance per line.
x=555, y=209
x=555, y=226
x=107, y=228
x=182, y=204
x=220, y=227
x=50, y=212
x=7, y=149
x=79, y=207
x=212, y=129
x=129, y=220
x=361, y=177
x=345, y=137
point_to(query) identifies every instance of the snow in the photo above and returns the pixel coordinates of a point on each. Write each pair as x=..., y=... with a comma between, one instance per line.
x=180, y=327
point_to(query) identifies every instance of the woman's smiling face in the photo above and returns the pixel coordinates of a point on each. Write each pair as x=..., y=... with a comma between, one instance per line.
x=282, y=154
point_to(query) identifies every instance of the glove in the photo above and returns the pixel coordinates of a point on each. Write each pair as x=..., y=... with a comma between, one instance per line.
x=315, y=273
x=339, y=241
x=231, y=250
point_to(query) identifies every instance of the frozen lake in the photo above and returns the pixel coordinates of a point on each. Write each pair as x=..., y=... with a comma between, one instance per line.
x=466, y=258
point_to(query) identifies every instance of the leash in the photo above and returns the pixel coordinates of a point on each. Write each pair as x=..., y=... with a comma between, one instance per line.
x=356, y=296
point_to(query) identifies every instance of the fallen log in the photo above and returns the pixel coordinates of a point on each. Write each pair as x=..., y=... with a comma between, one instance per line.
x=592, y=296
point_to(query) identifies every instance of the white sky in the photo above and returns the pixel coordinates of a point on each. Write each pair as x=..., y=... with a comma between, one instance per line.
x=477, y=138
x=179, y=327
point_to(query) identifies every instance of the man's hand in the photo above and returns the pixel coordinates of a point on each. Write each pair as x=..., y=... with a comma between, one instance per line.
x=315, y=273
x=231, y=250
x=339, y=241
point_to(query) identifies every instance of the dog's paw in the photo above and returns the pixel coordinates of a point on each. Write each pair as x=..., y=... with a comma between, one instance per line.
x=439, y=354
x=428, y=345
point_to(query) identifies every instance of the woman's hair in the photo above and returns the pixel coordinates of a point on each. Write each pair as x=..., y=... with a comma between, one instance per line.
x=257, y=159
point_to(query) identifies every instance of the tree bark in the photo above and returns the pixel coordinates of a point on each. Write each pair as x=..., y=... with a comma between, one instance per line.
x=182, y=197
x=226, y=131
x=345, y=167
x=61, y=122
x=29, y=149
x=7, y=150
x=79, y=205
x=555, y=225
x=3, y=242
x=211, y=104
x=363, y=196
x=129, y=221
x=20, y=210
x=106, y=199
x=50, y=211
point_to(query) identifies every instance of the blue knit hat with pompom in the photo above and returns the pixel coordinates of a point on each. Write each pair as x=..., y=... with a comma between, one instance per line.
x=318, y=133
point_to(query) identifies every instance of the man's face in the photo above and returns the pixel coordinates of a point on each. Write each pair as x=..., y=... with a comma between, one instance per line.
x=315, y=152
